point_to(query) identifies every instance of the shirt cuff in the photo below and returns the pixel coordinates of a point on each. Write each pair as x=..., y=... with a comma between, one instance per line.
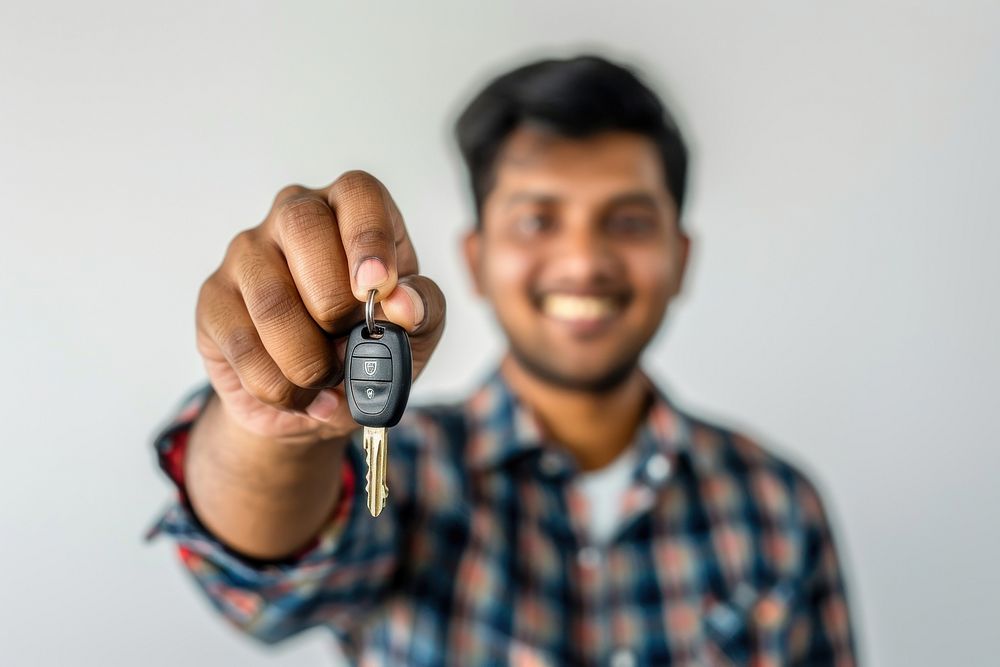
x=179, y=519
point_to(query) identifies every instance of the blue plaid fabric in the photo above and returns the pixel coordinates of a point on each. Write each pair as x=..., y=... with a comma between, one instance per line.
x=723, y=556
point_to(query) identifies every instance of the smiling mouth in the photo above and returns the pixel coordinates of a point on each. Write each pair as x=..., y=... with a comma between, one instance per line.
x=581, y=309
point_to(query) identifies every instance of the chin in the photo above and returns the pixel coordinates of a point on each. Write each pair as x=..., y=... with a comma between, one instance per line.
x=598, y=380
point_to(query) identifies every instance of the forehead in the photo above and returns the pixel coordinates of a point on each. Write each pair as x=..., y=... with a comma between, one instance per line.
x=592, y=167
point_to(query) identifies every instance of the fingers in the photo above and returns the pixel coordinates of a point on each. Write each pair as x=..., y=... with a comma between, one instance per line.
x=254, y=316
x=226, y=335
x=417, y=305
x=289, y=289
x=339, y=243
x=306, y=231
x=371, y=229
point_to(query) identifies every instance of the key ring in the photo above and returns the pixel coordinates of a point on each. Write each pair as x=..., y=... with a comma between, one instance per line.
x=374, y=331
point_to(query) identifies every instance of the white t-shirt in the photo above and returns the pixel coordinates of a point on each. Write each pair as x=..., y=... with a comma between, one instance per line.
x=604, y=490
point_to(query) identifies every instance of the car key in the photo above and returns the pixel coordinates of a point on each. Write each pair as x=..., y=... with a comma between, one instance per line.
x=379, y=369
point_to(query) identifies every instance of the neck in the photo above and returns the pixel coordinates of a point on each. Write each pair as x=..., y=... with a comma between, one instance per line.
x=594, y=427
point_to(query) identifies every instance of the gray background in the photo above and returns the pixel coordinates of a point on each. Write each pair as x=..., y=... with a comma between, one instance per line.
x=841, y=306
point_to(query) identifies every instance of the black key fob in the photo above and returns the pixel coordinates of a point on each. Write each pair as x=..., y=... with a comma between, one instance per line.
x=378, y=371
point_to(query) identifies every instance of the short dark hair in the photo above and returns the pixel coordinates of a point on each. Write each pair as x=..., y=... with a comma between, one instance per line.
x=576, y=97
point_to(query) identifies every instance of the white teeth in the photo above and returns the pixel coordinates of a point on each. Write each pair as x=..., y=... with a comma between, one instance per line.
x=573, y=307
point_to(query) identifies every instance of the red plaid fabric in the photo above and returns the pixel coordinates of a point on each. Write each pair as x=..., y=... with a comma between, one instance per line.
x=724, y=555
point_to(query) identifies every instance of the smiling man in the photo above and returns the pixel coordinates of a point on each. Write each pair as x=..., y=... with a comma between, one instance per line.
x=568, y=512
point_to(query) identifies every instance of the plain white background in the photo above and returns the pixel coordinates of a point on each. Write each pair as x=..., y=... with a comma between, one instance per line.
x=841, y=305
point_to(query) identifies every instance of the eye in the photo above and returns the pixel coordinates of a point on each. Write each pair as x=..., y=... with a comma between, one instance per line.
x=532, y=224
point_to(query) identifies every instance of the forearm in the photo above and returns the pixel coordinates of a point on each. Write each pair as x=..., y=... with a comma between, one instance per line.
x=264, y=498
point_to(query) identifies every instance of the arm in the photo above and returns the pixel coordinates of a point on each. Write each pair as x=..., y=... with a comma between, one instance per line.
x=263, y=462
x=334, y=580
x=264, y=498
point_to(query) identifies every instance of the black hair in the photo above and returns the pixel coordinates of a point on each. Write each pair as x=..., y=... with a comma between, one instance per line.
x=576, y=97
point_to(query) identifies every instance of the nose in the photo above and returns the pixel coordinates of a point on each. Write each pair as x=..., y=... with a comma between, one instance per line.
x=583, y=253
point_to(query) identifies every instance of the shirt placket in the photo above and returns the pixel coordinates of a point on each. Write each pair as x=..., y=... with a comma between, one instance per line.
x=585, y=562
x=590, y=577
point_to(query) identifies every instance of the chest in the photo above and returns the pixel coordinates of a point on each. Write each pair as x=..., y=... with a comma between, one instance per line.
x=503, y=573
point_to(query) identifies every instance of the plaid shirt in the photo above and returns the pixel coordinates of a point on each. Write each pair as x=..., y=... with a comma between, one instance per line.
x=723, y=555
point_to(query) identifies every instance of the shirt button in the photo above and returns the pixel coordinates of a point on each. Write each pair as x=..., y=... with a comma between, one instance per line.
x=657, y=468
x=622, y=657
x=589, y=557
x=551, y=463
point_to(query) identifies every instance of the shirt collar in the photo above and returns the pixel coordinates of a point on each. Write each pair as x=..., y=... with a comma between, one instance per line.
x=500, y=427
x=503, y=429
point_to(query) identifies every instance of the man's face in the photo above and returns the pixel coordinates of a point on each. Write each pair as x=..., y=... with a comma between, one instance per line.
x=579, y=253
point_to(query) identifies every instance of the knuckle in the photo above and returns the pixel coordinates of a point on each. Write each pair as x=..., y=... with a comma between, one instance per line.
x=299, y=215
x=370, y=235
x=216, y=300
x=240, y=346
x=208, y=291
x=355, y=181
x=242, y=244
x=333, y=306
x=309, y=371
x=275, y=391
x=268, y=300
x=293, y=190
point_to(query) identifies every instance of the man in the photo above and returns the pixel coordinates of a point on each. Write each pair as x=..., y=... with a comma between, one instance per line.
x=567, y=513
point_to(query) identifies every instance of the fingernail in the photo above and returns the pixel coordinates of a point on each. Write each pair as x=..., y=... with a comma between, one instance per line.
x=371, y=273
x=418, y=304
x=323, y=406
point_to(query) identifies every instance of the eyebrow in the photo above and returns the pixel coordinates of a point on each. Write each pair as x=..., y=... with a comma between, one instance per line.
x=530, y=197
x=637, y=197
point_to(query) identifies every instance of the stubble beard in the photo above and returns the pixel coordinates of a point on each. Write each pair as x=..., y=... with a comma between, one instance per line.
x=604, y=383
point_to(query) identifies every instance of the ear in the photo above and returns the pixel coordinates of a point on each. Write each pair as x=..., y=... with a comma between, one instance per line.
x=472, y=249
x=684, y=248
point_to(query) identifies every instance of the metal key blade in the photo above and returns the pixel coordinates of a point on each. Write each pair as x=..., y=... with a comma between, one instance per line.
x=376, y=455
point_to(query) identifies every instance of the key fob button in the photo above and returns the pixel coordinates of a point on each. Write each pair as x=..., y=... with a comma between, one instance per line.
x=371, y=368
x=371, y=350
x=370, y=397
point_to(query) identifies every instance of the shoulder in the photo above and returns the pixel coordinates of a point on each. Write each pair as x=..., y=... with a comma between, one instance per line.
x=777, y=489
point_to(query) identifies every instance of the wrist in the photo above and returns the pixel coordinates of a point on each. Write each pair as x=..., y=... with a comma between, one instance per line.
x=293, y=442
x=231, y=454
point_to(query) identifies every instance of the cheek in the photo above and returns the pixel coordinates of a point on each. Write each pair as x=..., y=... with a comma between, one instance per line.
x=653, y=275
x=507, y=273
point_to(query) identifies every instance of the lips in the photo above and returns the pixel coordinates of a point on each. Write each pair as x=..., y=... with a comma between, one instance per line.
x=582, y=312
